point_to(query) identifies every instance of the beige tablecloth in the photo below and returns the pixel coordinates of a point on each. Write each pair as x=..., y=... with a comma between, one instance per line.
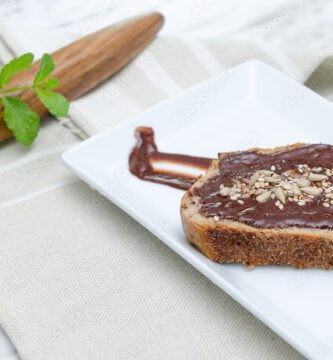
x=79, y=278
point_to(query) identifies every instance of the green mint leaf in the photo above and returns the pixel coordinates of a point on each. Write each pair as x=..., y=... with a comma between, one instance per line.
x=23, y=122
x=46, y=66
x=50, y=84
x=56, y=104
x=15, y=66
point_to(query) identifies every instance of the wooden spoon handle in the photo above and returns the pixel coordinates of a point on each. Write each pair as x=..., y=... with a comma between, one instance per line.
x=85, y=63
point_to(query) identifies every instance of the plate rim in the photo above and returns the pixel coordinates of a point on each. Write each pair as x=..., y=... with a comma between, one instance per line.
x=225, y=285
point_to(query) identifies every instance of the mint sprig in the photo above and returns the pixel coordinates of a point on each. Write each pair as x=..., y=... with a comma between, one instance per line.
x=23, y=122
x=55, y=103
x=20, y=119
x=14, y=67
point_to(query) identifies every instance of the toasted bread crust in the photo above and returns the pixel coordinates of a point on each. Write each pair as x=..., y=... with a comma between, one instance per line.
x=226, y=241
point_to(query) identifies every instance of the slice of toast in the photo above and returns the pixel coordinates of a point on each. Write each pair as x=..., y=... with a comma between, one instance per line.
x=293, y=228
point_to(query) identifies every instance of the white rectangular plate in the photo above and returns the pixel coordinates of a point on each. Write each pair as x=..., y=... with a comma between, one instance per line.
x=249, y=105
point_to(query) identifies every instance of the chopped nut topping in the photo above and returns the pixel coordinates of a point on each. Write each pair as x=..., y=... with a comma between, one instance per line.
x=225, y=191
x=254, y=178
x=302, y=182
x=273, y=180
x=244, y=188
x=263, y=197
x=301, y=185
x=247, y=210
x=311, y=190
x=295, y=189
x=280, y=194
x=317, y=177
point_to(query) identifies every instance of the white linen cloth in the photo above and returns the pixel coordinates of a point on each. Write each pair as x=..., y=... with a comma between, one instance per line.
x=79, y=279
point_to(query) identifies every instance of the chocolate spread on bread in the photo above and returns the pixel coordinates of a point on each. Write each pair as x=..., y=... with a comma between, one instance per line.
x=313, y=211
x=277, y=199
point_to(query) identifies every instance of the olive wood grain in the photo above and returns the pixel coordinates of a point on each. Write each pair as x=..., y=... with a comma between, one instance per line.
x=87, y=62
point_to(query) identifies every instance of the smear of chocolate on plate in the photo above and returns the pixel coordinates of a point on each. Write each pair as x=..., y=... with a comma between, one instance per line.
x=145, y=155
